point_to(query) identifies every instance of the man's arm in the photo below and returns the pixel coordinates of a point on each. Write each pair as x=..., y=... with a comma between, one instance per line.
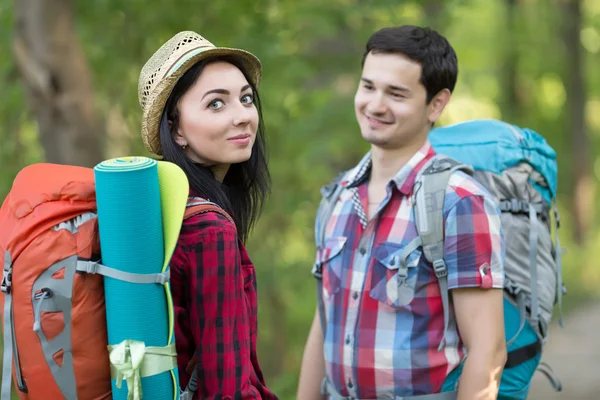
x=480, y=320
x=474, y=253
x=312, y=371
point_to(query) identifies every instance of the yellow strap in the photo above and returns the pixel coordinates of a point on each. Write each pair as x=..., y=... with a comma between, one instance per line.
x=132, y=360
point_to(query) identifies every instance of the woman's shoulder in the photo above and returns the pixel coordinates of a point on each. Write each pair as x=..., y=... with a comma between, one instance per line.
x=206, y=219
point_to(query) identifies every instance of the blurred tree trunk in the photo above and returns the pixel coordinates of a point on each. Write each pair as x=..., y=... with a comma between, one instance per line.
x=434, y=15
x=58, y=82
x=510, y=101
x=582, y=181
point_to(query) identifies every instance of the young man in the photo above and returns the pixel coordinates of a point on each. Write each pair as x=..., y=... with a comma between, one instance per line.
x=385, y=328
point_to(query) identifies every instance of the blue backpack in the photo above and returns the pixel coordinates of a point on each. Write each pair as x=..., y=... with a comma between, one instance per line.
x=519, y=169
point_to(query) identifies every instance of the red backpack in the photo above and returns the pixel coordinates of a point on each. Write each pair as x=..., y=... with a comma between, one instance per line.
x=53, y=315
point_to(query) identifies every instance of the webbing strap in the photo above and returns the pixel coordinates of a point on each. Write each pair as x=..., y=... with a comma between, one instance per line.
x=533, y=245
x=37, y=312
x=523, y=354
x=549, y=373
x=330, y=194
x=8, y=347
x=131, y=360
x=429, y=215
x=191, y=388
x=558, y=263
x=93, y=267
x=403, y=269
x=522, y=317
x=197, y=205
x=7, y=360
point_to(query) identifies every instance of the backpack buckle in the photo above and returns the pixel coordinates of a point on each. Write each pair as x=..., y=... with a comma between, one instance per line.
x=439, y=267
x=6, y=285
x=317, y=270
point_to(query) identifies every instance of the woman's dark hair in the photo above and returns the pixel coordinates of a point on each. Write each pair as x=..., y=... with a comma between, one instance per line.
x=246, y=185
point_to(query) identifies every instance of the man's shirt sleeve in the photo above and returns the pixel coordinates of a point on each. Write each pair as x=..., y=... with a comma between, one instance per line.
x=474, y=244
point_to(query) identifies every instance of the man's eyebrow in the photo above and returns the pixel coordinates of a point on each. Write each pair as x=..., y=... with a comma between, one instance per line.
x=392, y=87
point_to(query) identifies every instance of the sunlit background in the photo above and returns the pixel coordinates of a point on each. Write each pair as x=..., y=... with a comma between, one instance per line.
x=68, y=79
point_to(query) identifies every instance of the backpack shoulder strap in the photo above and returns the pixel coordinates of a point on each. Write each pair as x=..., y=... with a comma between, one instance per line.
x=431, y=185
x=329, y=195
x=197, y=205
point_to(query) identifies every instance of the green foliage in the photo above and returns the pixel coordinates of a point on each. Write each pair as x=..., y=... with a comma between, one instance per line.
x=311, y=54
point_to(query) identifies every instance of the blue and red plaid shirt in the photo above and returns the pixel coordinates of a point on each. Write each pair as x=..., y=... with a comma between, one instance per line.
x=382, y=335
x=214, y=294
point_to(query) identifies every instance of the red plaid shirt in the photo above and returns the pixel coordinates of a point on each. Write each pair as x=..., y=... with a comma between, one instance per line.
x=214, y=296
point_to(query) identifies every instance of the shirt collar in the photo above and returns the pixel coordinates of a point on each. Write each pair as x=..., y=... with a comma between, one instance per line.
x=404, y=179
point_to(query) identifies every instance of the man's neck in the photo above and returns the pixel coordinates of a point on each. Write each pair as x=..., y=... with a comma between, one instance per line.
x=386, y=163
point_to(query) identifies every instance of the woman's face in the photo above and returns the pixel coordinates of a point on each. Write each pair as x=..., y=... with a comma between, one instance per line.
x=218, y=120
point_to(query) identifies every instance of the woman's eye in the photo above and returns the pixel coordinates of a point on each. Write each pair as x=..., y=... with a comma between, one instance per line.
x=247, y=99
x=216, y=104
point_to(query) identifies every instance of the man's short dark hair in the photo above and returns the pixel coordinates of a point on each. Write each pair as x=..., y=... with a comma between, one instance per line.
x=424, y=46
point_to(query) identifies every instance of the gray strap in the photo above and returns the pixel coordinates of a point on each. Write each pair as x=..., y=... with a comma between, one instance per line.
x=8, y=343
x=533, y=245
x=521, y=206
x=545, y=369
x=522, y=317
x=191, y=387
x=403, y=268
x=37, y=312
x=7, y=360
x=196, y=201
x=330, y=194
x=442, y=274
x=558, y=263
x=429, y=215
x=92, y=267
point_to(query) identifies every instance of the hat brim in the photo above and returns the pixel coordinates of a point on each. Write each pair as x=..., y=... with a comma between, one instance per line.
x=157, y=100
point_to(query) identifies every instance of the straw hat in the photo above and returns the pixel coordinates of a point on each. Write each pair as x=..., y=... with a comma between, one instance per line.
x=162, y=71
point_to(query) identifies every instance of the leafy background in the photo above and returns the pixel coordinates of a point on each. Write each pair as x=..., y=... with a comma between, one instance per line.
x=69, y=76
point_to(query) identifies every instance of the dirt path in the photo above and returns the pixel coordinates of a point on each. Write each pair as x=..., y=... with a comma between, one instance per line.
x=574, y=355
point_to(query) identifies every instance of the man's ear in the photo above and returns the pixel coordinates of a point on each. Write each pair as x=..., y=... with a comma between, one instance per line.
x=437, y=105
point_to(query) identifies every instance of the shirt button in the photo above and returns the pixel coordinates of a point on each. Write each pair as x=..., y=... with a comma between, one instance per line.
x=350, y=385
x=355, y=295
x=362, y=251
x=348, y=339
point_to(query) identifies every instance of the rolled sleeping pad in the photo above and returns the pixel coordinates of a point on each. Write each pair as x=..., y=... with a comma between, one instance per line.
x=140, y=209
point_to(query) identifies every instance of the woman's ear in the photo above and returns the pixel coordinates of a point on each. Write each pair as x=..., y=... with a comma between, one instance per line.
x=177, y=136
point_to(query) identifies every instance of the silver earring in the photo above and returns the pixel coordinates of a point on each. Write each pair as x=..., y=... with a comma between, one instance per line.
x=183, y=147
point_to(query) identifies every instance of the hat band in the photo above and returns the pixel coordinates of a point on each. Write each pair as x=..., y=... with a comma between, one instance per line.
x=184, y=57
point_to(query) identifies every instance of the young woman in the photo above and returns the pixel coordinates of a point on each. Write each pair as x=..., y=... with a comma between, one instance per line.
x=201, y=111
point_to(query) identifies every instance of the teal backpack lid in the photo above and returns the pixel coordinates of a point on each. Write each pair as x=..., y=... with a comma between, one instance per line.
x=495, y=146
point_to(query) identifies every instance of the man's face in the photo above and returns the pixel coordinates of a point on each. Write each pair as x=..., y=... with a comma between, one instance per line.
x=390, y=102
